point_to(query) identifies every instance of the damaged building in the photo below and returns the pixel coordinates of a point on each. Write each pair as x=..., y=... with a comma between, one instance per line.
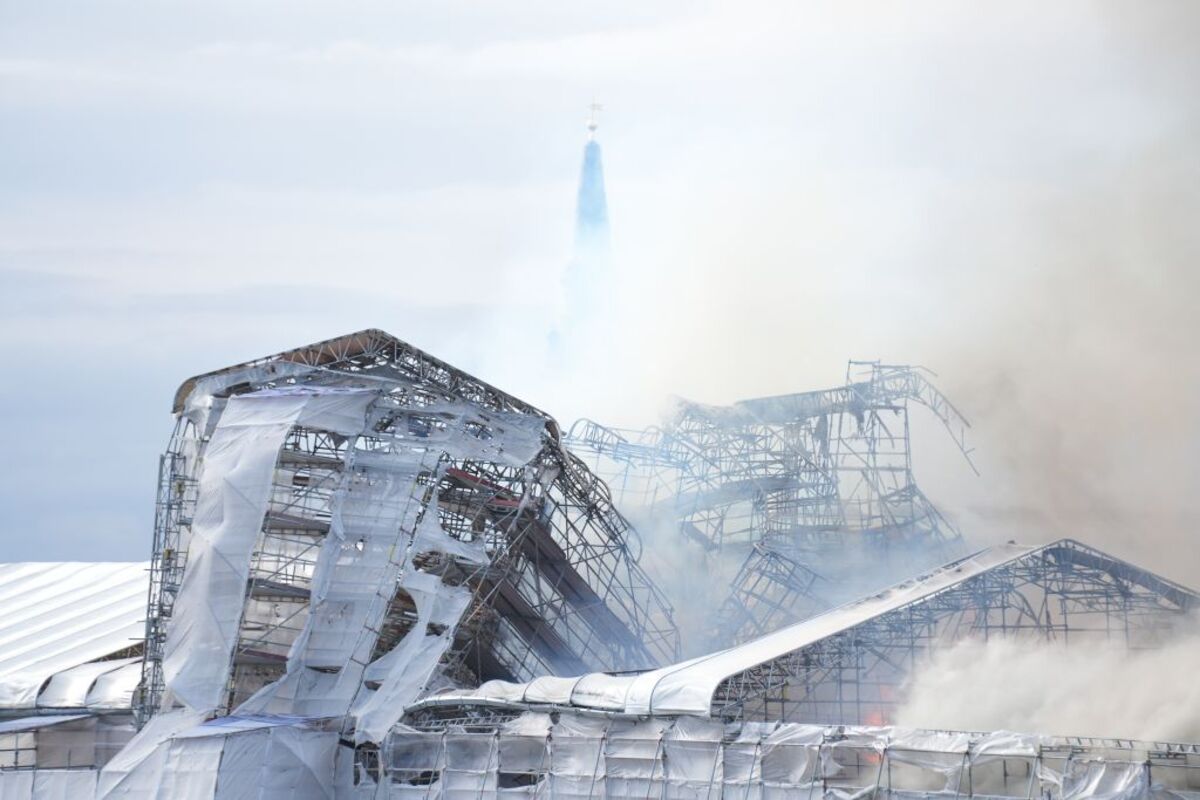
x=795, y=502
x=370, y=523
x=374, y=575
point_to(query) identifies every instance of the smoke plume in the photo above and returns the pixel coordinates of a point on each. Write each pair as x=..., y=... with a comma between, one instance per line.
x=1048, y=688
x=1011, y=201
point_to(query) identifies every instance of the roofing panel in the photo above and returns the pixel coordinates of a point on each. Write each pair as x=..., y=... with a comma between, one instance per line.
x=114, y=690
x=57, y=615
x=70, y=688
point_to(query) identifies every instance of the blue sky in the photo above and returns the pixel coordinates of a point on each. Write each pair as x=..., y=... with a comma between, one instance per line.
x=1007, y=196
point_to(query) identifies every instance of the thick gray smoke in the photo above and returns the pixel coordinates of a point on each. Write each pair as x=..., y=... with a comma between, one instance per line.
x=1008, y=197
x=1009, y=200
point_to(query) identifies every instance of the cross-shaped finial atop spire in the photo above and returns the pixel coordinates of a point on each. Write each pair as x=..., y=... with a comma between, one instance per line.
x=593, y=120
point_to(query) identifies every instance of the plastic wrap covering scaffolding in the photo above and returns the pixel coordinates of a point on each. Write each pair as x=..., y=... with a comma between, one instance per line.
x=818, y=482
x=57, y=756
x=71, y=636
x=849, y=665
x=345, y=526
x=578, y=756
x=229, y=758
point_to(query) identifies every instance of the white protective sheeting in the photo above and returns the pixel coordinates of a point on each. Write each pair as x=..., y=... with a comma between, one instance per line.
x=137, y=770
x=55, y=617
x=70, y=688
x=230, y=758
x=277, y=763
x=47, y=784
x=234, y=488
x=357, y=570
x=404, y=671
x=63, y=784
x=378, y=525
x=585, y=756
x=33, y=723
x=688, y=687
x=16, y=784
x=114, y=690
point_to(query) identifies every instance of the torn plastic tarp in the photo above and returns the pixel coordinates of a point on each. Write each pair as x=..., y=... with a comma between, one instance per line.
x=378, y=525
x=466, y=431
x=404, y=672
x=356, y=574
x=234, y=489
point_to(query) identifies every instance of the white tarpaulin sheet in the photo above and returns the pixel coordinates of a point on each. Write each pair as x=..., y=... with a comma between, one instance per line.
x=55, y=617
x=47, y=784
x=33, y=723
x=583, y=756
x=70, y=689
x=356, y=574
x=234, y=488
x=405, y=671
x=379, y=523
x=114, y=690
x=227, y=759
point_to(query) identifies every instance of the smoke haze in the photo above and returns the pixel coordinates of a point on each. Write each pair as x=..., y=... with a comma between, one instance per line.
x=1006, y=195
x=1046, y=688
x=1011, y=202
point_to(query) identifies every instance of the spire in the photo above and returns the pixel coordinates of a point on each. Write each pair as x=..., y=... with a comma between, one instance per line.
x=591, y=215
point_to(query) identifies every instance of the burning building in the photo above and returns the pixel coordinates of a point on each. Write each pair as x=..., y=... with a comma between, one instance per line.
x=797, y=502
x=374, y=575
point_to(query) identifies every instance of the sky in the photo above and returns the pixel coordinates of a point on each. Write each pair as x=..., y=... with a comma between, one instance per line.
x=1006, y=195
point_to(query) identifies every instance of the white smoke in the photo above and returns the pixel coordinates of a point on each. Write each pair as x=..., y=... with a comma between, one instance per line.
x=1010, y=200
x=1088, y=690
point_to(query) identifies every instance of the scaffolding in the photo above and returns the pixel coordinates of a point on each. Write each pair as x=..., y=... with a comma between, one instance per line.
x=1064, y=593
x=577, y=755
x=851, y=664
x=820, y=481
x=768, y=592
x=549, y=564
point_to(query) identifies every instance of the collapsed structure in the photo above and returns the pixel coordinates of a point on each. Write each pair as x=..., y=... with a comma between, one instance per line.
x=804, y=709
x=805, y=500
x=347, y=525
x=849, y=665
x=374, y=575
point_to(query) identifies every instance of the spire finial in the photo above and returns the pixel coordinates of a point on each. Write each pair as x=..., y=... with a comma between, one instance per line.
x=593, y=120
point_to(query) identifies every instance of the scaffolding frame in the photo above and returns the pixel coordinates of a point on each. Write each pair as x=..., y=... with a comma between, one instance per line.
x=562, y=589
x=817, y=479
x=769, y=591
x=1063, y=592
x=444, y=755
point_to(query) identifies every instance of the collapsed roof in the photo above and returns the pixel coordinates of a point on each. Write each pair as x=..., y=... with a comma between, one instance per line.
x=344, y=526
x=797, y=501
x=372, y=571
x=848, y=665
